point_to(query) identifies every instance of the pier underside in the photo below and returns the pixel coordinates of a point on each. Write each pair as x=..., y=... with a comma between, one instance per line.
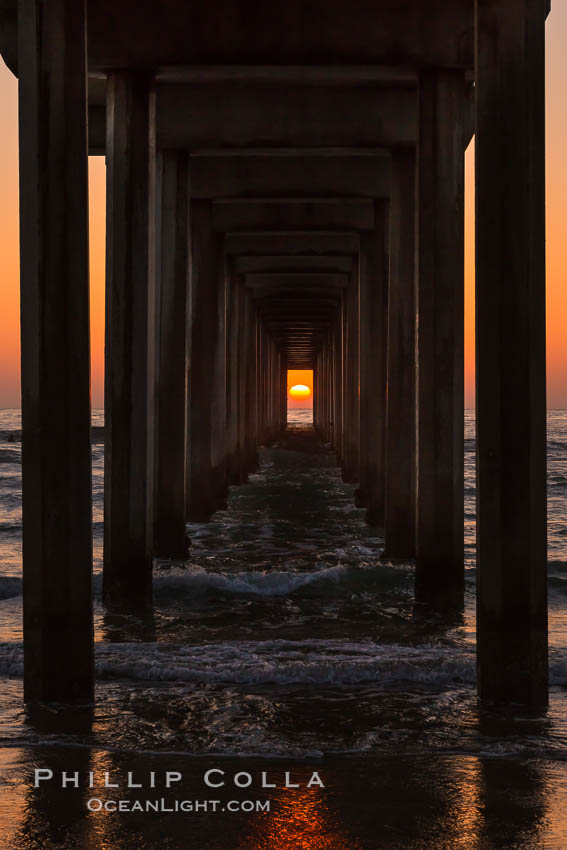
x=285, y=190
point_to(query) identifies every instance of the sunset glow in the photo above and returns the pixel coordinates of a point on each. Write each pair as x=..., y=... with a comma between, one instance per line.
x=556, y=241
x=300, y=391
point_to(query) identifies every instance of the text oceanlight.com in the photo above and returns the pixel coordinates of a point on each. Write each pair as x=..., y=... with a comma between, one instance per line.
x=95, y=804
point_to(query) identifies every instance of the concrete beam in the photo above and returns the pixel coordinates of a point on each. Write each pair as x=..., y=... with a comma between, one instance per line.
x=293, y=214
x=224, y=115
x=264, y=242
x=128, y=34
x=282, y=280
x=245, y=264
x=290, y=174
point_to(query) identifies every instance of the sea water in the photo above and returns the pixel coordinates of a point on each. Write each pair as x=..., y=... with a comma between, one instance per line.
x=283, y=638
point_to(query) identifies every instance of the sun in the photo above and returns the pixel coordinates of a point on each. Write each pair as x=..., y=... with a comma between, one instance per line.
x=300, y=391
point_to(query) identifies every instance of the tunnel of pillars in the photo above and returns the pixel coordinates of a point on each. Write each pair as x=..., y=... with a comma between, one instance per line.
x=267, y=217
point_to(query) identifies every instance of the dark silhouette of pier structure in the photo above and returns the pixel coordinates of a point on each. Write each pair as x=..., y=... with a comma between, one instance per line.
x=285, y=186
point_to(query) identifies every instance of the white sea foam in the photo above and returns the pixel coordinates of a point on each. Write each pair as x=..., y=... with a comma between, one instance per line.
x=266, y=583
x=276, y=662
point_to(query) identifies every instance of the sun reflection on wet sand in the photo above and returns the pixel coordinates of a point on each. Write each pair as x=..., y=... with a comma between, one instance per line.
x=459, y=802
x=299, y=820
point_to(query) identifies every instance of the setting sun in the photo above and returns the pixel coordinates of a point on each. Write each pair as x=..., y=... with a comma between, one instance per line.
x=300, y=391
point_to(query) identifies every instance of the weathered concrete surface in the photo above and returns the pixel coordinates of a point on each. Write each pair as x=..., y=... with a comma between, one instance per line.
x=207, y=345
x=285, y=173
x=172, y=355
x=316, y=243
x=129, y=350
x=234, y=319
x=511, y=404
x=293, y=214
x=149, y=34
x=217, y=115
x=400, y=517
x=56, y=443
x=351, y=379
x=245, y=264
x=440, y=339
x=373, y=335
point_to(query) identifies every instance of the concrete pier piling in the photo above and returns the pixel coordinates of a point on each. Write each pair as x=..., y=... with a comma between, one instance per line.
x=207, y=387
x=264, y=215
x=400, y=483
x=56, y=443
x=510, y=364
x=130, y=338
x=440, y=338
x=172, y=354
x=373, y=314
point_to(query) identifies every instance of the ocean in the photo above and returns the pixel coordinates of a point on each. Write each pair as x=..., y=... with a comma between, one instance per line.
x=285, y=644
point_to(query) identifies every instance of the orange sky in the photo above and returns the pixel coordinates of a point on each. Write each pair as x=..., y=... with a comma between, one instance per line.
x=556, y=237
x=299, y=376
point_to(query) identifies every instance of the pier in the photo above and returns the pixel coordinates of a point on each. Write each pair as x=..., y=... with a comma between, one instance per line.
x=285, y=190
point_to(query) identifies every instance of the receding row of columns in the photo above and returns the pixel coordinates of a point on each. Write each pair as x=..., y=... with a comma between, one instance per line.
x=196, y=362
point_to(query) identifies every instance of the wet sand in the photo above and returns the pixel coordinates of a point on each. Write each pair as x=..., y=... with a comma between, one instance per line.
x=452, y=802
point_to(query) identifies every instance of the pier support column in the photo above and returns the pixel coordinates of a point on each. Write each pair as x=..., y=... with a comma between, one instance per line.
x=352, y=421
x=339, y=432
x=172, y=359
x=399, y=530
x=324, y=394
x=329, y=388
x=261, y=381
x=251, y=391
x=373, y=332
x=207, y=346
x=233, y=367
x=440, y=397
x=129, y=350
x=510, y=352
x=56, y=442
x=283, y=392
x=244, y=366
x=316, y=392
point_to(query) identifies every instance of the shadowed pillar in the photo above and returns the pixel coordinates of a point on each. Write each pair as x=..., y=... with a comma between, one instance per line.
x=352, y=437
x=251, y=383
x=333, y=384
x=56, y=444
x=233, y=367
x=510, y=352
x=260, y=378
x=207, y=347
x=265, y=384
x=325, y=393
x=316, y=390
x=339, y=436
x=440, y=340
x=172, y=360
x=399, y=531
x=219, y=459
x=373, y=324
x=283, y=392
x=243, y=366
x=129, y=350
